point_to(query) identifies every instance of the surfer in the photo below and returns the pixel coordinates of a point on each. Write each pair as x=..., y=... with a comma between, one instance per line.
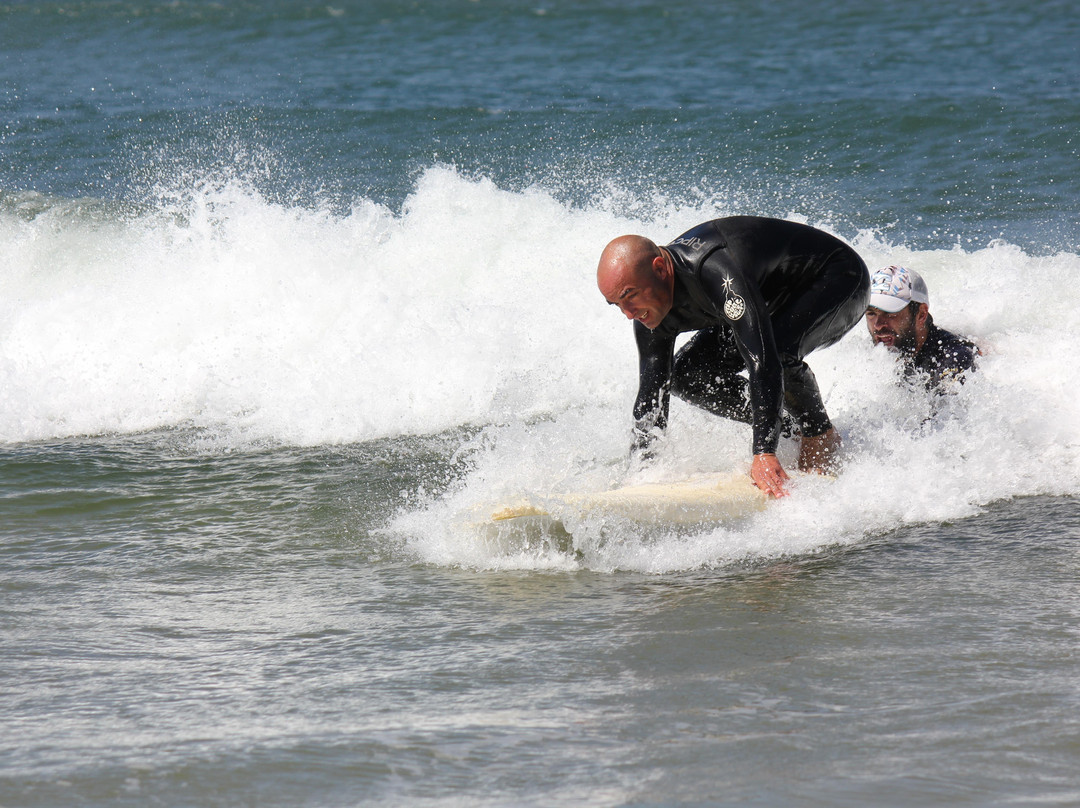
x=898, y=317
x=761, y=294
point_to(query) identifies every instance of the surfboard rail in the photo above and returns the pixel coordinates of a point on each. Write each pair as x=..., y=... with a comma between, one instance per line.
x=704, y=499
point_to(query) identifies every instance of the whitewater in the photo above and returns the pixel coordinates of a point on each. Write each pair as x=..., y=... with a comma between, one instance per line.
x=472, y=310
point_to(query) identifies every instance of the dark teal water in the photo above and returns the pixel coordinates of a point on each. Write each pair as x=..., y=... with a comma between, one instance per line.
x=291, y=292
x=929, y=121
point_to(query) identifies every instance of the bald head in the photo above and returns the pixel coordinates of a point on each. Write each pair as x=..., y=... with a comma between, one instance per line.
x=637, y=276
x=625, y=258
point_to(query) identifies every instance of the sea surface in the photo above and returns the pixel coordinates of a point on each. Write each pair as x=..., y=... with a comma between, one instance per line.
x=292, y=293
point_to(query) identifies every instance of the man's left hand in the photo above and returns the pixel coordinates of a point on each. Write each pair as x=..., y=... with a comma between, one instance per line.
x=820, y=455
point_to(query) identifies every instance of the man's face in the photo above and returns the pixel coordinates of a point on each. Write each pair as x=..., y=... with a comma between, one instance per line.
x=641, y=296
x=895, y=331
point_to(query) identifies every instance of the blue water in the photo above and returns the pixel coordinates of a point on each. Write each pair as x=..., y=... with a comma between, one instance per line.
x=933, y=121
x=291, y=293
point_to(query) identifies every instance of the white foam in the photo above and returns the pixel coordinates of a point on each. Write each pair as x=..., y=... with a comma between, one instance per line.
x=1011, y=431
x=222, y=309
x=477, y=305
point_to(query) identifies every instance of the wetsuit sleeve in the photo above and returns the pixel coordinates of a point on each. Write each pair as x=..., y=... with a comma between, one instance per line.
x=744, y=311
x=654, y=381
x=803, y=399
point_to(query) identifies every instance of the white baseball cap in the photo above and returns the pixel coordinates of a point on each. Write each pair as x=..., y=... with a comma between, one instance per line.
x=893, y=288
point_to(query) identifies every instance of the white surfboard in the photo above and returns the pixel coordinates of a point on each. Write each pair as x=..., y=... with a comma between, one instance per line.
x=702, y=500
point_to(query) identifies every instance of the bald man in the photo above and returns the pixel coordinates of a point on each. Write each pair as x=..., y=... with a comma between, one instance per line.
x=761, y=295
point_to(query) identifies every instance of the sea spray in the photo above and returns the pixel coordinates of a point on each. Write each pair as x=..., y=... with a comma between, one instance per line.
x=1008, y=431
x=474, y=308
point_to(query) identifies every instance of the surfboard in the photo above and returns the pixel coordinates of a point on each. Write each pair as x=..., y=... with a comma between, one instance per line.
x=700, y=500
x=554, y=522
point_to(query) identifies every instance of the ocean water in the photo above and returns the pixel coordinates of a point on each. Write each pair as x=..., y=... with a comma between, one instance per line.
x=290, y=292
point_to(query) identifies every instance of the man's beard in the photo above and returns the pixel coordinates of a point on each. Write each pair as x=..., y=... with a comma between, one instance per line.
x=905, y=341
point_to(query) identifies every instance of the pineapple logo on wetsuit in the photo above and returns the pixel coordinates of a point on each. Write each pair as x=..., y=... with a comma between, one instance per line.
x=734, y=306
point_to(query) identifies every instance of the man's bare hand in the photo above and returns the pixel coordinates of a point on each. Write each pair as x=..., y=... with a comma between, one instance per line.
x=768, y=475
x=820, y=455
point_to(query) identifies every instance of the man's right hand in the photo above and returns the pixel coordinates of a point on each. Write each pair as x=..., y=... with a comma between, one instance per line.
x=768, y=475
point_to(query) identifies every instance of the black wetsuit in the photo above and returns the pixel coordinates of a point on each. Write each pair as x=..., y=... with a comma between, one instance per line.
x=943, y=356
x=762, y=294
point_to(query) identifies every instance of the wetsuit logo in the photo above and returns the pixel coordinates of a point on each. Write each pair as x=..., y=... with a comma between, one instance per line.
x=734, y=306
x=692, y=243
